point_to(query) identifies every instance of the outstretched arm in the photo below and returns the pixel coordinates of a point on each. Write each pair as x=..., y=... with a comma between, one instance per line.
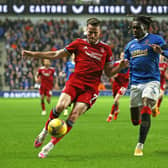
x=45, y=55
x=111, y=70
x=160, y=50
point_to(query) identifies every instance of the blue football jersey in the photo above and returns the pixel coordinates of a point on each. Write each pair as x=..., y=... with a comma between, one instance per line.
x=70, y=66
x=144, y=62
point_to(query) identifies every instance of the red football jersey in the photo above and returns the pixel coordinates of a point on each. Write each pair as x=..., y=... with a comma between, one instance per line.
x=47, y=77
x=163, y=67
x=89, y=62
x=122, y=78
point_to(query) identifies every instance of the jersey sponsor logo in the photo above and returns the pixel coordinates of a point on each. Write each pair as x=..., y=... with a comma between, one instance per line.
x=132, y=45
x=46, y=74
x=102, y=50
x=85, y=47
x=139, y=53
x=94, y=55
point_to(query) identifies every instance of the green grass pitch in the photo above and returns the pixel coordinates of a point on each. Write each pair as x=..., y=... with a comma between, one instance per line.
x=92, y=143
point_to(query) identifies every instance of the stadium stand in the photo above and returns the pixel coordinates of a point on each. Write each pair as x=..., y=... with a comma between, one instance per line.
x=51, y=35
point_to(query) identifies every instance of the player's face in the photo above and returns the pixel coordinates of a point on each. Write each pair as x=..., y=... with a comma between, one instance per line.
x=93, y=33
x=47, y=62
x=138, y=29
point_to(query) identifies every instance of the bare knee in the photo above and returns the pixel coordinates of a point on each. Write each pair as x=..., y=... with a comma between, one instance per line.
x=74, y=115
x=78, y=110
x=60, y=107
x=48, y=100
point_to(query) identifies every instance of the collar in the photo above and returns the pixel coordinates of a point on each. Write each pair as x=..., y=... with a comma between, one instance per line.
x=142, y=37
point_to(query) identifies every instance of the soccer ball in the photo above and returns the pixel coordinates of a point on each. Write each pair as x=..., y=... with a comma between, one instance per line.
x=57, y=127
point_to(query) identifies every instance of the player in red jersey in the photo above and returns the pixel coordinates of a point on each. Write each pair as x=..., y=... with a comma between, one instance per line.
x=91, y=57
x=119, y=86
x=163, y=65
x=45, y=76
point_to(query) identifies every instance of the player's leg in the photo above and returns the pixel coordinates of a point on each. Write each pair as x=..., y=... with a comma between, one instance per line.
x=145, y=125
x=79, y=108
x=136, y=105
x=149, y=95
x=115, y=107
x=48, y=95
x=136, y=115
x=155, y=110
x=42, y=97
x=63, y=102
x=159, y=101
x=120, y=93
x=43, y=105
x=48, y=99
x=84, y=101
x=115, y=89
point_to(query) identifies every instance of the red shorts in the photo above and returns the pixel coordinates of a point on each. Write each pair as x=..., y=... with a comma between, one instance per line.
x=119, y=88
x=45, y=91
x=81, y=94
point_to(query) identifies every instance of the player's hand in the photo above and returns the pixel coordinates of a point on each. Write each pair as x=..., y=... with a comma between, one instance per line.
x=38, y=80
x=156, y=48
x=23, y=52
x=124, y=63
x=26, y=54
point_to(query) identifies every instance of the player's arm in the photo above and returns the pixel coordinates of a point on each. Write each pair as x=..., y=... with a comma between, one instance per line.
x=37, y=77
x=46, y=54
x=166, y=75
x=111, y=70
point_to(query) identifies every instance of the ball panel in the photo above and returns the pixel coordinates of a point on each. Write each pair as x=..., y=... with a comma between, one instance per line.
x=57, y=127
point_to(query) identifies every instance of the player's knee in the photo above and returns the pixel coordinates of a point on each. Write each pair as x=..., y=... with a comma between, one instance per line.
x=42, y=100
x=60, y=107
x=136, y=122
x=116, y=103
x=48, y=101
x=74, y=115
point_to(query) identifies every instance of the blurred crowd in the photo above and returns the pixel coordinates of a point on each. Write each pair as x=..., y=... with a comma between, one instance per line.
x=47, y=35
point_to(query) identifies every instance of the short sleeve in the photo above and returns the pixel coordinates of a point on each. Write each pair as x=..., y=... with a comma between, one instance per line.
x=109, y=58
x=127, y=53
x=71, y=48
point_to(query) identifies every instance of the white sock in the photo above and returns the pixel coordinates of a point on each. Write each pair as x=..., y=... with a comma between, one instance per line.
x=43, y=133
x=140, y=145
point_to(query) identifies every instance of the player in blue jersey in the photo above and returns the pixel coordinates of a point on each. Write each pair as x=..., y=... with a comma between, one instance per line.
x=70, y=66
x=143, y=54
x=69, y=69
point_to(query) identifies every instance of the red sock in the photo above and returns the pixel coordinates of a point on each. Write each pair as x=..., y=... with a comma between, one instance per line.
x=43, y=106
x=159, y=102
x=56, y=140
x=147, y=110
x=114, y=108
x=49, y=119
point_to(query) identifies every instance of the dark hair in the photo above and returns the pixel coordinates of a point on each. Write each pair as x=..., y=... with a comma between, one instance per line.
x=146, y=20
x=93, y=22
